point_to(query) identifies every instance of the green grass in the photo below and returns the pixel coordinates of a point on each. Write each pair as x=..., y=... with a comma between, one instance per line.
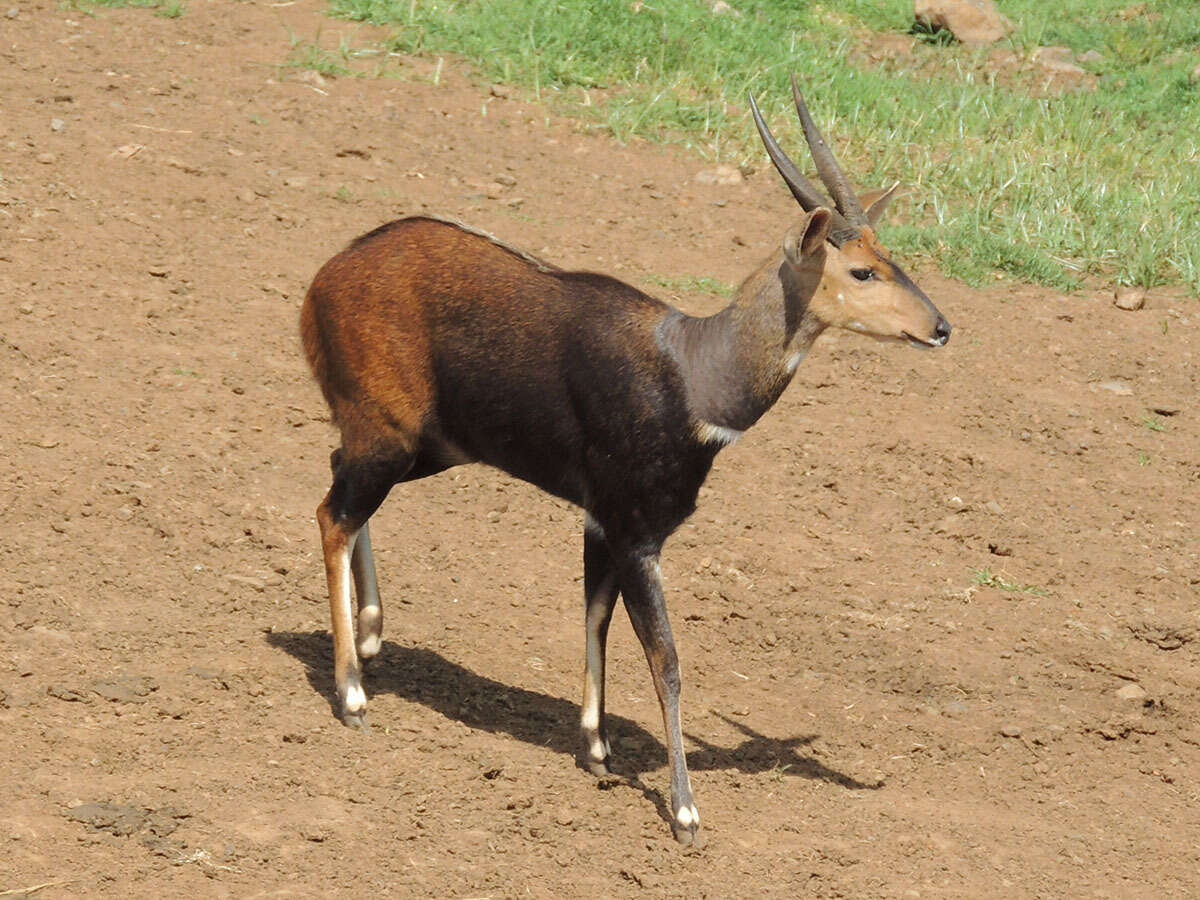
x=693, y=285
x=167, y=9
x=1102, y=183
x=985, y=577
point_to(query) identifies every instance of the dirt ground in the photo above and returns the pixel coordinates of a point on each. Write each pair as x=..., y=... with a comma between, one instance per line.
x=863, y=717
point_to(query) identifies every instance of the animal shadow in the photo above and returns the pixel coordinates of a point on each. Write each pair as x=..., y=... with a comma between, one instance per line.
x=425, y=676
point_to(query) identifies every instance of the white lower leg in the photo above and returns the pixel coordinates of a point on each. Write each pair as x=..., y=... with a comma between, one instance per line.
x=370, y=611
x=593, y=677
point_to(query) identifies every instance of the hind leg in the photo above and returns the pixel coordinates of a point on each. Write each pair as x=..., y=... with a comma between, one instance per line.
x=366, y=588
x=358, y=489
x=600, y=596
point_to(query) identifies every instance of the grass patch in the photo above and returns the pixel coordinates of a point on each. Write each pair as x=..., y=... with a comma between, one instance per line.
x=167, y=9
x=985, y=577
x=1005, y=177
x=690, y=285
x=1154, y=423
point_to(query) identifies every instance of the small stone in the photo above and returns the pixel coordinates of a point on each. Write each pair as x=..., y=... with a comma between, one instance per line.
x=47, y=159
x=13, y=12
x=494, y=190
x=1011, y=731
x=994, y=508
x=255, y=583
x=506, y=180
x=246, y=195
x=1129, y=297
x=57, y=124
x=503, y=91
x=722, y=174
x=1115, y=386
x=1131, y=691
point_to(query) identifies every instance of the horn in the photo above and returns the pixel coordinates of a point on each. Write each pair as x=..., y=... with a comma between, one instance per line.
x=805, y=192
x=830, y=172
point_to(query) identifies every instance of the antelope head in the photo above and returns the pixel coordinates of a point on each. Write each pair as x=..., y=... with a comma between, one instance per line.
x=860, y=288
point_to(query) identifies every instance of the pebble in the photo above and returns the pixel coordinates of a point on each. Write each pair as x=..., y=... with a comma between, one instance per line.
x=503, y=91
x=46, y=158
x=494, y=190
x=1011, y=731
x=57, y=124
x=1130, y=298
x=13, y=12
x=1131, y=691
x=1116, y=386
x=722, y=174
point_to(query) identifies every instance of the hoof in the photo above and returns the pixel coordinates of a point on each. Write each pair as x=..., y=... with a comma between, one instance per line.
x=599, y=769
x=686, y=826
x=357, y=721
x=688, y=835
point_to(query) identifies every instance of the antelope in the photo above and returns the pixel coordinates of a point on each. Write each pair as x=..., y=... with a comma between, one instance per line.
x=436, y=344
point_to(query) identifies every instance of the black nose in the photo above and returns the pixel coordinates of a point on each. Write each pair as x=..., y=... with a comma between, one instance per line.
x=942, y=331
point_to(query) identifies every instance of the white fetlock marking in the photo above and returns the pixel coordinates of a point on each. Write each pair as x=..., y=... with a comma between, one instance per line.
x=687, y=816
x=369, y=646
x=356, y=700
x=598, y=751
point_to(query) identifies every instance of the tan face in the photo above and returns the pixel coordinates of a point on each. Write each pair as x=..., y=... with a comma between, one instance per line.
x=862, y=290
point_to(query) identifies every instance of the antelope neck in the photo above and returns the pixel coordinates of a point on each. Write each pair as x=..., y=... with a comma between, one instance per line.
x=737, y=362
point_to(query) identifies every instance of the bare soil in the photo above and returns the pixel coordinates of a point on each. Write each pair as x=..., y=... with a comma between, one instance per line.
x=864, y=718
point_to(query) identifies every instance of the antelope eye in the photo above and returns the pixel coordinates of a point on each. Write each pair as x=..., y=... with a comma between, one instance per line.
x=863, y=274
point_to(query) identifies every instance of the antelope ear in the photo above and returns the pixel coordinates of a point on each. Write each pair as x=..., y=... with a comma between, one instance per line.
x=875, y=202
x=807, y=236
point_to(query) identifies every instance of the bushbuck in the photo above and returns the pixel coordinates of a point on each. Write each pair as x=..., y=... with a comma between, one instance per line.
x=436, y=345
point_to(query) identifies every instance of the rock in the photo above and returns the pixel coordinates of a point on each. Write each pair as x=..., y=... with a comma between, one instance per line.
x=1058, y=61
x=248, y=581
x=126, y=688
x=1115, y=386
x=46, y=159
x=57, y=124
x=970, y=21
x=1011, y=731
x=494, y=190
x=505, y=179
x=1131, y=691
x=503, y=91
x=1129, y=297
x=13, y=12
x=722, y=174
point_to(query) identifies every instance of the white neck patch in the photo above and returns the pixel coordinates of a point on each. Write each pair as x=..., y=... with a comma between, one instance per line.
x=709, y=433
